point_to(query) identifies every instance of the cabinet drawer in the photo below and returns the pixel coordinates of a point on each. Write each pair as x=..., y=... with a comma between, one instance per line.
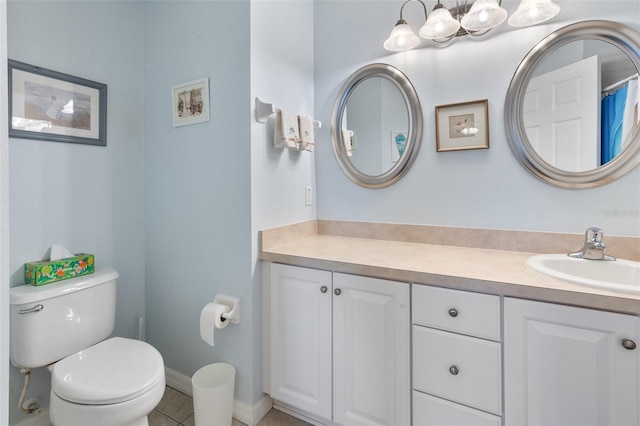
x=463, y=312
x=460, y=368
x=431, y=411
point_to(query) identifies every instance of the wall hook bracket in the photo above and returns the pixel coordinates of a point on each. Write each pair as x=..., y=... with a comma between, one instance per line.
x=263, y=110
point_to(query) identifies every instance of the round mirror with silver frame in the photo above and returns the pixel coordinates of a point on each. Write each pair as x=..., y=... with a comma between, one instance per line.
x=343, y=149
x=622, y=38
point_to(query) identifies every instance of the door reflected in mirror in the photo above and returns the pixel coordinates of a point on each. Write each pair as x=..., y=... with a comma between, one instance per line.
x=377, y=116
x=571, y=110
x=580, y=109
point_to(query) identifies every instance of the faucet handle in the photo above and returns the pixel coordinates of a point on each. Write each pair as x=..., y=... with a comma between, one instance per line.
x=593, y=247
x=594, y=235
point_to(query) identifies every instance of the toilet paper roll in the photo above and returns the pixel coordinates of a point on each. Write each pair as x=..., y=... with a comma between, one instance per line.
x=210, y=319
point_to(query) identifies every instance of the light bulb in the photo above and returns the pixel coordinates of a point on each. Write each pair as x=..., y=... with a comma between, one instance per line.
x=532, y=12
x=483, y=15
x=440, y=25
x=401, y=38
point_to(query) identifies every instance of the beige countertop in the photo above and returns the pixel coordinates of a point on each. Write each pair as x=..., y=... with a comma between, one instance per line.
x=482, y=270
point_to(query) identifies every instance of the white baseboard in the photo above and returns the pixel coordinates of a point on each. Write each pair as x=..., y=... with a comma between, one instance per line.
x=242, y=412
x=178, y=381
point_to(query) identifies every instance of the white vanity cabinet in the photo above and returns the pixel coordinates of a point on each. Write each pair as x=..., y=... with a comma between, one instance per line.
x=300, y=345
x=570, y=366
x=457, y=358
x=340, y=346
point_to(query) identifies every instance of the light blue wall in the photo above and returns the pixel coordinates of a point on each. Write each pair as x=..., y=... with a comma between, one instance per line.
x=198, y=194
x=281, y=73
x=480, y=188
x=87, y=198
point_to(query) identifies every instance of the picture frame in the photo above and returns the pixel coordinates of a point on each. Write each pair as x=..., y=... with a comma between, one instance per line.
x=190, y=102
x=462, y=126
x=52, y=106
x=398, y=143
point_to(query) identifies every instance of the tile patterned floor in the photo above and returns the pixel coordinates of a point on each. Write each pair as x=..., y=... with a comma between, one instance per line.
x=176, y=409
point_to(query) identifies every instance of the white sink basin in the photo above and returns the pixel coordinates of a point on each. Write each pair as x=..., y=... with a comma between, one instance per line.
x=614, y=275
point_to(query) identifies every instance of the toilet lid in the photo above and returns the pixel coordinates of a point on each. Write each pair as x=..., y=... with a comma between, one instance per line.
x=112, y=371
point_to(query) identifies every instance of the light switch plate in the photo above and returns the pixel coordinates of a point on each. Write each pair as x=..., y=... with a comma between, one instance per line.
x=308, y=196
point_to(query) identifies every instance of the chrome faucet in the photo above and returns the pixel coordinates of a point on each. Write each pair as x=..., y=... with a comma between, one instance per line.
x=593, y=248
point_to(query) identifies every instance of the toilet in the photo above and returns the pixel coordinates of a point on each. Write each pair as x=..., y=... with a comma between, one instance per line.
x=95, y=380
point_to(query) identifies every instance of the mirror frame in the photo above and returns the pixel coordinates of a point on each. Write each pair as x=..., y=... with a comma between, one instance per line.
x=619, y=35
x=414, y=133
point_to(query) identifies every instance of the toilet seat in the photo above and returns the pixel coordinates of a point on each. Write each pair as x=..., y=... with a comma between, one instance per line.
x=112, y=371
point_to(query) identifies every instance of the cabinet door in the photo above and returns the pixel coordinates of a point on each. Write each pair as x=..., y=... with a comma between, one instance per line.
x=370, y=351
x=567, y=366
x=301, y=338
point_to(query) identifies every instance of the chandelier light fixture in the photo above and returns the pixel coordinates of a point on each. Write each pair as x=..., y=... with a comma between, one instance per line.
x=473, y=18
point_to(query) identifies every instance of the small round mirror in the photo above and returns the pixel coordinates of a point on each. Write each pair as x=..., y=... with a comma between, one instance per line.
x=376, y=126
x=571, y=111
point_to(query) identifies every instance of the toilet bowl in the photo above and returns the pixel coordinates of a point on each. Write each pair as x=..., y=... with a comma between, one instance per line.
x=116, y=382
x=95, y=380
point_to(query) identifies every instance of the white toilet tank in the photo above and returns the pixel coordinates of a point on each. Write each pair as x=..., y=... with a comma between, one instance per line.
x=52, y=321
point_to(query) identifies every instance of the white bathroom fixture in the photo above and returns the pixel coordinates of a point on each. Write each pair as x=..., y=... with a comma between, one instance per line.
x=98, y=382
x=467, y=17
x=234, y=305
x=265, y=109
x=619, y=275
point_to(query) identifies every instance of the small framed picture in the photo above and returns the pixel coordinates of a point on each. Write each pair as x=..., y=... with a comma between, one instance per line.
x=398, y=144
x=462, y=126
x=51, y=106
x=190, y=102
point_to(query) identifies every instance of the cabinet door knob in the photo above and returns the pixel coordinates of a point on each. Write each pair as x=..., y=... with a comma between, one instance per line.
x=453, y=370
x=453, y=312
x=337, y=292
x=323, y=289
x=628, y=344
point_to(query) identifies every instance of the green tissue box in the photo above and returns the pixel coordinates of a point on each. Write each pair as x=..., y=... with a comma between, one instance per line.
x=50, y=271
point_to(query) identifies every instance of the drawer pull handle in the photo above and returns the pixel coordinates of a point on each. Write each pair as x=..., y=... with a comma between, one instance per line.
x=628, y=344
x=323, y=289
x=337, y=292
x=453, y=370
x=453, y=312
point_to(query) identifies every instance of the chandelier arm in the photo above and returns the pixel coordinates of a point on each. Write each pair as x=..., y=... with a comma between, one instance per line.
x=445, y=40
x=477, y=33
x=409, y=1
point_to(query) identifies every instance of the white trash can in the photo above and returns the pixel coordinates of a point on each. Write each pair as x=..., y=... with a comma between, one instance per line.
x=213, y=387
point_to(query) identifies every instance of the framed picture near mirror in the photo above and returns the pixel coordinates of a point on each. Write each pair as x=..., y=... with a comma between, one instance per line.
x=462, y=126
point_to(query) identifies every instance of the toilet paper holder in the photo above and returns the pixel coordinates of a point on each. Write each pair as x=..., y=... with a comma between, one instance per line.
x=233, y=303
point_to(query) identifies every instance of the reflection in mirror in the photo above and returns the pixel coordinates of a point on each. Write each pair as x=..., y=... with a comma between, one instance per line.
x=377, y=117
x=581, y=105
x=376, y=126
x=571, y=111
